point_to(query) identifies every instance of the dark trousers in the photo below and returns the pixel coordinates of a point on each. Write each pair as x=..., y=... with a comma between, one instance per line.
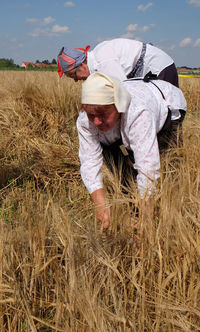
x=170, y=136
x=169, y=74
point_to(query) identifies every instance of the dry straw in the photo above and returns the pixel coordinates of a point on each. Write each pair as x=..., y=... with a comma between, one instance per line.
x=58, y=270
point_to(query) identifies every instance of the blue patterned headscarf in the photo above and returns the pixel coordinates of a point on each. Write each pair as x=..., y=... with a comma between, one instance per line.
x=70, y=58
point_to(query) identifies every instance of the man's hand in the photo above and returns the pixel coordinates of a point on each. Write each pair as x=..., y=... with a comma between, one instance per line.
x=101, y=209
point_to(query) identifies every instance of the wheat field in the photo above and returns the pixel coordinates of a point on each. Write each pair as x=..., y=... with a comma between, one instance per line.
x=59, y=271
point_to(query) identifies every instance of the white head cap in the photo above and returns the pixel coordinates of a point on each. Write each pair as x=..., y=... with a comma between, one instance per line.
x=100, y=89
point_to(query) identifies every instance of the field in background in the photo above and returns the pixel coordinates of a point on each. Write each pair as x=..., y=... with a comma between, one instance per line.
x=58, y=270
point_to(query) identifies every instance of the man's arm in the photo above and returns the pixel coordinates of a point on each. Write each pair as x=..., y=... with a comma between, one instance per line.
x=90, y=154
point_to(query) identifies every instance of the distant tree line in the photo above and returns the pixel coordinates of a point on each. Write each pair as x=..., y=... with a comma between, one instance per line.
x=8, y=64
x=4, y=63
x=46, y=62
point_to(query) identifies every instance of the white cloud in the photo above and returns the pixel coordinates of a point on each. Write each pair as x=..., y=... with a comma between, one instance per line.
x=185, y=42
x=58, y=29
x=132, y=27
x=37, y=33
x=196, y=3
x=45, y=21
x=54, y=31
x=146, y=27
x=197, y=43
x=127, y=35
x=48, y=20
x=69, y=4
x=42, y=29
x=142, y=8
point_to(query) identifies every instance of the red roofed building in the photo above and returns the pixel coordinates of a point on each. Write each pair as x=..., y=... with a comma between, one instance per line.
x=182, y=68
x=37, y=65
x=26, y=64
x=42, y=65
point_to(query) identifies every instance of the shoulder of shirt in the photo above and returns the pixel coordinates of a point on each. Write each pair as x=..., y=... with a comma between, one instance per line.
x=134, y=85
x=82, y=118
x=140, y=93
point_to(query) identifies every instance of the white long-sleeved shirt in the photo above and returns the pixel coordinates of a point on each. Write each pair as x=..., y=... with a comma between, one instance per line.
x=138, y=127
x=117, y=58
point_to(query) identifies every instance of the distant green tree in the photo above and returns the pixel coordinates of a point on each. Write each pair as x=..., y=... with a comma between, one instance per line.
x=7, y=62
x=54, y=62
x=30, y=66
x=46, y=62
x=37, y=61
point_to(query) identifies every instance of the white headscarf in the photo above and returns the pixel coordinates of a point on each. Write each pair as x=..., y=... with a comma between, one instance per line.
x=100, y=89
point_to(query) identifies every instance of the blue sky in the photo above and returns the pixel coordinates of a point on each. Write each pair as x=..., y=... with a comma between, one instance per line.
x=36, y=30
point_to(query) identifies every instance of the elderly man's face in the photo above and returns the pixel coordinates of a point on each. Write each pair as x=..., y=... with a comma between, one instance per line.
x=80, y=73
x=104, y=117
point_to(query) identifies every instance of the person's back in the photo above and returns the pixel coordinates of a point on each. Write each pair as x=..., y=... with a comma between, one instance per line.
x=118, y=57
x=125, y=52
x=125, y=58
